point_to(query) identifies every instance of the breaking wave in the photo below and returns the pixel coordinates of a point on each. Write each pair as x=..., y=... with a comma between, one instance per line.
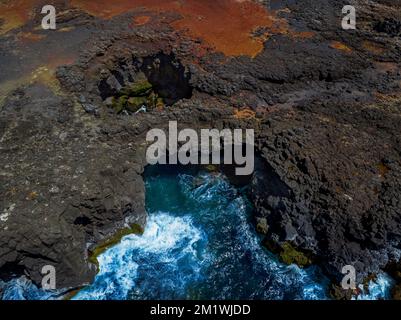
x=199, y=243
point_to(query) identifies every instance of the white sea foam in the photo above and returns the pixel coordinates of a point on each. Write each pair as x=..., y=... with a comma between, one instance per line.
x=378, y=288
x=166, y=240
x=207, y=248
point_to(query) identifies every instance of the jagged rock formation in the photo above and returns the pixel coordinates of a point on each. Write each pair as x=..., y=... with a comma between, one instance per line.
x=325, y=104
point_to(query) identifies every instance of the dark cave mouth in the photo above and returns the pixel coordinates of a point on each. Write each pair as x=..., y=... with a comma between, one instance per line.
x=148, y=83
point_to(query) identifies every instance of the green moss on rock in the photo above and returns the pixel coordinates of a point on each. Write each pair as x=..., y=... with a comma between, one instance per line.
x=119, y=104
x=140, y=88
x=102, y=247
x=136, y=95
x=160, y=102
x=112, y=241
x=290, y=255
x=338, y=293
x=261, y=225
x=135, y=103
x=71, y=294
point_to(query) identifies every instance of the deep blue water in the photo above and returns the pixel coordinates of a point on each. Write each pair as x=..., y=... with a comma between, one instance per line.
x=199, y=243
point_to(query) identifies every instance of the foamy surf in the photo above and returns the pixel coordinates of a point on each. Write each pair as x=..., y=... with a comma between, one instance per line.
x=199, y=243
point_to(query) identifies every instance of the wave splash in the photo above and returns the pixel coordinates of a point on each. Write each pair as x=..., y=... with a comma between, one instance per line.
x=199, y=243
x=159, y=264
x=203, y=247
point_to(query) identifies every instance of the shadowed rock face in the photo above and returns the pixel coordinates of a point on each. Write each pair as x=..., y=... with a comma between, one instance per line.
x=165, y=75
x=168, y=77
x=324, y=104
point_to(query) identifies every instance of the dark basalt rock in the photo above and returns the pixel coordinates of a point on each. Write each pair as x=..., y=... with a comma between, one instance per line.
x=327, y=122
x=389, y=26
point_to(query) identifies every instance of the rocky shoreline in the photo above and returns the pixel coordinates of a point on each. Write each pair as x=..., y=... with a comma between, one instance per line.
x=324, y=104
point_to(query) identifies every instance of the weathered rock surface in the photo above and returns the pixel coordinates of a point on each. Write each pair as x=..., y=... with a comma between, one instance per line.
x=324, y=102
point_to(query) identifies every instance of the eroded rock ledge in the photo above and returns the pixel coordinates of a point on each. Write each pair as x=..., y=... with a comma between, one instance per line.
x=325, y=105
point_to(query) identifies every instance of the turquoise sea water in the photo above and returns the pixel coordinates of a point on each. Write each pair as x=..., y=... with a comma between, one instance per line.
x=199, y=243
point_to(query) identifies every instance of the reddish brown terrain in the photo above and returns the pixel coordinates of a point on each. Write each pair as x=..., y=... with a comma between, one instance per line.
x=324, y=103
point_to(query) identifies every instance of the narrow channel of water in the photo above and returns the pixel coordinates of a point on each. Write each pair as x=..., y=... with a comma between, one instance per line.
x=199, y=243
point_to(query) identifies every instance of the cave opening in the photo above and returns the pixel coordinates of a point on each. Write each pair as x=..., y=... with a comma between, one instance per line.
x=143, y=84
